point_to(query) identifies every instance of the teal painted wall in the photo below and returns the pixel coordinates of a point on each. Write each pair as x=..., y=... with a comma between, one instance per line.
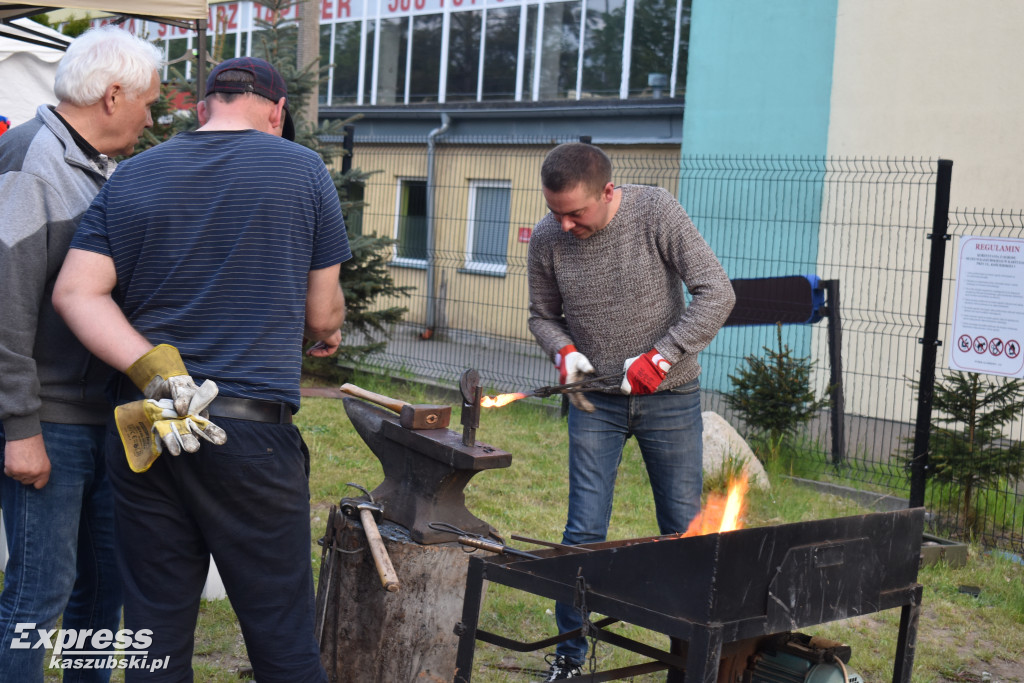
x=755, y=133
x=759, y=77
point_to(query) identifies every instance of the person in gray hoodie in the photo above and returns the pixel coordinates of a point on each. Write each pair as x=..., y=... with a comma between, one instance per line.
x=56, y=498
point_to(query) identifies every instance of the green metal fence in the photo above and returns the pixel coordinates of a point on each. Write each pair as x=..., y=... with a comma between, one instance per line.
x=863, y=224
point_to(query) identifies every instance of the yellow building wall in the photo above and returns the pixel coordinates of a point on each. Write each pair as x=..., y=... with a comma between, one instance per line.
x=468, y=301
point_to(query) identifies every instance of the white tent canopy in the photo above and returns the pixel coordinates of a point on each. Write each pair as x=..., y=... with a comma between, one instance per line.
x=190, y=14
x=182, y=10
x=27, y=71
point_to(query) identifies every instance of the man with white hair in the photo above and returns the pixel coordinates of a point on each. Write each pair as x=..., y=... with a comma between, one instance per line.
x=56, y=498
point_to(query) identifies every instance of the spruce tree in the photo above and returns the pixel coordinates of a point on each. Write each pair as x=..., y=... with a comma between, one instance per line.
x=967, y=447
x=773, y=394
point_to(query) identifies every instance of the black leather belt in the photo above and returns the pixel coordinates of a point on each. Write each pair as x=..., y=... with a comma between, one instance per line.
x=274, y=412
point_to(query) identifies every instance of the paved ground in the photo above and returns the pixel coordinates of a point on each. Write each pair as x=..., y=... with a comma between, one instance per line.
x=504, y=365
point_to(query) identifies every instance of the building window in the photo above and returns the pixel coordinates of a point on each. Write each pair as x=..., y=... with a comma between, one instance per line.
x=176, y=50
x=367, y=85
x=463, y=56
x=526, y=51
x=425, y=71
x=325, y=58
x=487, y=232
x=501, y=53
x=347, y=41
x=602, y=54
x=528, y=42
x=559, y=51
x=653, y=53
x=392, y=60
x=411, y=223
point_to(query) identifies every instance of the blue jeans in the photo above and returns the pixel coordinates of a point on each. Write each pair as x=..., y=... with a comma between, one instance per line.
x=61, y=542
x=668, y=429
x=247, y=503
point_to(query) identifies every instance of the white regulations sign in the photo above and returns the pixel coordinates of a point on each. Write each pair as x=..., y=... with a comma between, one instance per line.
x=988, y=314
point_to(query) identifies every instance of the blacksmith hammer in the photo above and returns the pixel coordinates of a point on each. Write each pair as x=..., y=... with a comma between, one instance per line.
x=370, y=514
x=422, y=416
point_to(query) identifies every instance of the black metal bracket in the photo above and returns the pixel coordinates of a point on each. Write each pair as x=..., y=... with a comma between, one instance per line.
x=663, y=659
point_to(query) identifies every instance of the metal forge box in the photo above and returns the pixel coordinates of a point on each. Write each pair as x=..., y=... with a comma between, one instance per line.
x=706, y=592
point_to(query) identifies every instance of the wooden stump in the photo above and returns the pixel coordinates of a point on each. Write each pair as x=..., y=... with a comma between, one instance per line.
x=367, y=634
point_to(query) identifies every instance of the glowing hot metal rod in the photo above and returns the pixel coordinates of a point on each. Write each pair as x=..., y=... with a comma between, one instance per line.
x=588, y=384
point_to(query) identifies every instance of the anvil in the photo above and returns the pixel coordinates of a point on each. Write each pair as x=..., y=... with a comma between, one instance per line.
x=425, y=472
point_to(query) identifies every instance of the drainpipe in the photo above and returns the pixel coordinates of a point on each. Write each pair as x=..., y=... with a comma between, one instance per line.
x=431, y=236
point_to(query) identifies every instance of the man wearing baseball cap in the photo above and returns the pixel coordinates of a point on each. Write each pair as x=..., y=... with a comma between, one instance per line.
x=265, y=81
x=224, y=246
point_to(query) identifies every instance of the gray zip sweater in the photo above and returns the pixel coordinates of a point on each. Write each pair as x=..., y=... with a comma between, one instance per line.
x=617, y=294
x=46, y=184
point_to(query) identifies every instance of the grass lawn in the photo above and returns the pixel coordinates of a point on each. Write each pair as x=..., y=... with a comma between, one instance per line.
x=960, y=637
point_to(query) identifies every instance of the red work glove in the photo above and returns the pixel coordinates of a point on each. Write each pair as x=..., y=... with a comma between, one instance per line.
x=644, y=373
x=569, y=361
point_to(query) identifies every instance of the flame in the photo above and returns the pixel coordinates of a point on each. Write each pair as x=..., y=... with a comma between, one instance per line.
x=499, y=400
x=721, y=513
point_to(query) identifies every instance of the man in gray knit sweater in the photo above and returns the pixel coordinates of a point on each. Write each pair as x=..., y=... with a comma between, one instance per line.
x=57, y=502
x=606, y=268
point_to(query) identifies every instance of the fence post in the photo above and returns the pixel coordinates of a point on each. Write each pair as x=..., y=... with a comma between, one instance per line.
x=835, y=373
x=347, y=145
x=930, y=342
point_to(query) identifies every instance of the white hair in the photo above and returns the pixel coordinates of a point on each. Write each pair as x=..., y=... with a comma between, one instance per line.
x=103, y=56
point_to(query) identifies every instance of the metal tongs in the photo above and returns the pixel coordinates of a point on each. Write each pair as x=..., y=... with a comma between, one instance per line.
x=588, y=384
x=478, y=541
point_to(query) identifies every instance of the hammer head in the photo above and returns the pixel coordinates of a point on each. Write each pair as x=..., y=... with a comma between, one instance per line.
x=350, y=507
x=425, y=416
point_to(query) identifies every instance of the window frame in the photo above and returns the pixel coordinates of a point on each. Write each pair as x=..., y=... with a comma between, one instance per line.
x=406, y=261
x=471, y=265
x=530, y=49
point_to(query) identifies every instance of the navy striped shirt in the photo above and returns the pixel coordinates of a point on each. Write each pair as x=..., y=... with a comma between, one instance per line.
x=213, y=235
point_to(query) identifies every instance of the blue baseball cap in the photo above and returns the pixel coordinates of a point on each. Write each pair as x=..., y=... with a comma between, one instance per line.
x=266, y=82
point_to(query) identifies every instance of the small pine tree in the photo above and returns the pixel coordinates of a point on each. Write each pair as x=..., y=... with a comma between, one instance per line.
x=168, y=120
x=72, y=27
x=76, y=25
x=43, y=20
x=773, y=394
x=968, y=448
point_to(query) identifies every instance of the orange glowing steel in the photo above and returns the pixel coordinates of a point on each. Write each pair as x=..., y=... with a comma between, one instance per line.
x=499, y=400
x=721, y=513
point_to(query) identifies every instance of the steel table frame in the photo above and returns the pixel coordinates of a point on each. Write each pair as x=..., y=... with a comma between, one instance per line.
x=696, y=644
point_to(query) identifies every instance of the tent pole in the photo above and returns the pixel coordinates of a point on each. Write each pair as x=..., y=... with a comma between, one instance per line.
x=201, y=66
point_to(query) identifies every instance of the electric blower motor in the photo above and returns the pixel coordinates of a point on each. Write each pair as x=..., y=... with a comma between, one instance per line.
x=799, y=658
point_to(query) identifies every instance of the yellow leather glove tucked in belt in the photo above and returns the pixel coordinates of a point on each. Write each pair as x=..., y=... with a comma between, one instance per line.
x=160, y=373
x=147, y=427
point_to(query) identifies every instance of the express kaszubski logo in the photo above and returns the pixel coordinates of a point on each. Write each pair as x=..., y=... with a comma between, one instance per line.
x=89, y=649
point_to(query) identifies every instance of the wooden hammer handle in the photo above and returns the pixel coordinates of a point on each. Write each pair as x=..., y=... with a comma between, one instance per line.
x=388, y=577
x=381, y=400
